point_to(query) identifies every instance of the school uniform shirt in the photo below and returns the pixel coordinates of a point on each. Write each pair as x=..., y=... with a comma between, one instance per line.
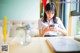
x=57, y=25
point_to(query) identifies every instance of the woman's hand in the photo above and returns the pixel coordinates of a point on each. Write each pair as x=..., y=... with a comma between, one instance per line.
x=48, y=28
x=52, y=29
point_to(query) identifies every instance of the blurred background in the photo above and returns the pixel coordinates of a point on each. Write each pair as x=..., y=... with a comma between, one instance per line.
x=22, y=12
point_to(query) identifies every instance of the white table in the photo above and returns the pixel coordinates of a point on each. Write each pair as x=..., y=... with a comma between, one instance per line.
x=37, y=45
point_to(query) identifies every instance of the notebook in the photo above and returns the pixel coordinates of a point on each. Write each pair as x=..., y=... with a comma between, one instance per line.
x=63, y=45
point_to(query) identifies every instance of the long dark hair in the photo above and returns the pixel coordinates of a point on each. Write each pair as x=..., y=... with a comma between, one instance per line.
x=50, y=6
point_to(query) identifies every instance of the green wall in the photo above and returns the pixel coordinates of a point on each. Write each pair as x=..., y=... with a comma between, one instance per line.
x=20, y=9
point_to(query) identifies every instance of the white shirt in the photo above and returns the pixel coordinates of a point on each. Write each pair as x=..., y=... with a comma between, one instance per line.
x=42, y=24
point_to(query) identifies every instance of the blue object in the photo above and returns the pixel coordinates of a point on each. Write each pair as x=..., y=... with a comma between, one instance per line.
x=28, y=26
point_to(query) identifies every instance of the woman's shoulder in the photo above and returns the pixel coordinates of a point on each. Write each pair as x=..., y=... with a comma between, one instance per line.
x=57, y=18
x=41, y=19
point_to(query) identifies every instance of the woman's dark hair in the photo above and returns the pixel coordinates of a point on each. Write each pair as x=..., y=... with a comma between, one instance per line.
x=50, y=6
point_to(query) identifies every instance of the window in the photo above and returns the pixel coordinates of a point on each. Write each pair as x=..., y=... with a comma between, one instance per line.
x=75, y=7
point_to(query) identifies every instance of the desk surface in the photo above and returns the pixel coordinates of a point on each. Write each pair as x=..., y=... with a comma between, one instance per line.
x=37, y=45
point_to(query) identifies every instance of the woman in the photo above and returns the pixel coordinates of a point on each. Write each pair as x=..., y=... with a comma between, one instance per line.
x=50, y=25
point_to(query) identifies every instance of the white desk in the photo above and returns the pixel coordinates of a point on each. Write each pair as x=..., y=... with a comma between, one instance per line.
x=37, y=45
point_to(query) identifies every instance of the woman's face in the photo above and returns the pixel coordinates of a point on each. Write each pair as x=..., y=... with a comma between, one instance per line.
x=49, y=14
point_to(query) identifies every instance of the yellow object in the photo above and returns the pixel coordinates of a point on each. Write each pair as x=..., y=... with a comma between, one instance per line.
x=5, y=29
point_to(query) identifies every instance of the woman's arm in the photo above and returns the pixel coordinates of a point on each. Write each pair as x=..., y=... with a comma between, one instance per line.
x=42, y=28
x=42, y=31
x=63, y=31
x=62, y=28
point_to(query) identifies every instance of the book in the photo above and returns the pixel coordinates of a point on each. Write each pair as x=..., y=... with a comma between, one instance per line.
x=63, y=45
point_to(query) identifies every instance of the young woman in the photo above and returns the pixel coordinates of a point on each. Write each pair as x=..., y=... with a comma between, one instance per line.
x=50, y=25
